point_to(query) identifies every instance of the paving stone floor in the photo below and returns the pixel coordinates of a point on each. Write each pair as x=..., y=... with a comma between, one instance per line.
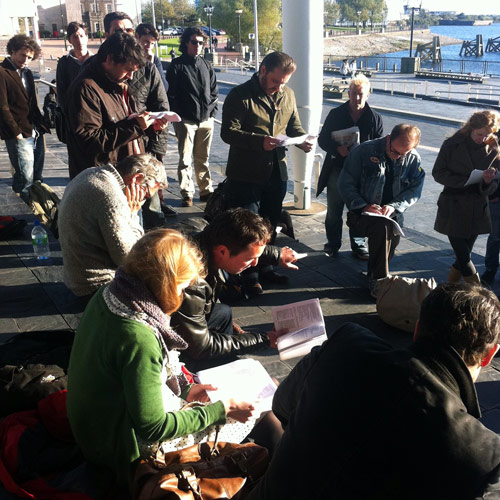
x=33, y=296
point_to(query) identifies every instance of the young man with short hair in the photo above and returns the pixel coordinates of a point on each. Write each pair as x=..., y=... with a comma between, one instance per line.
x=234, y=241
x=21, y=123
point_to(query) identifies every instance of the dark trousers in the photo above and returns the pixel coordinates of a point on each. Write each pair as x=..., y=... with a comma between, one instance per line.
x=382, y=241
x=221, y=319
x=152, y=216
x=463, y=250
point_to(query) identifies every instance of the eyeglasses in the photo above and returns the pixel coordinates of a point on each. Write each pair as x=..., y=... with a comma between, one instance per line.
x=395, y=152
x=196, y=42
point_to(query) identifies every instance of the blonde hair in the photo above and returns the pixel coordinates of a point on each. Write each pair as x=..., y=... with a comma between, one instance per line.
x=360, y=81
x=481, y=119
x=163, y=259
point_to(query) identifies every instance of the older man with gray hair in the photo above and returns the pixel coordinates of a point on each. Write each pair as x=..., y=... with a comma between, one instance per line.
x=98, y=219
x=354, y=113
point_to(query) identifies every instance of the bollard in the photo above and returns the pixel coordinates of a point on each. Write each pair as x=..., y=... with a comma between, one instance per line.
x=426, y=86
x=394, y=68
x=414, y=91
x=385, y=85
x=392, y=88
x=404, y=87
x=469, y=86
x=438, y=95
x=449, y=91
x=377, y=66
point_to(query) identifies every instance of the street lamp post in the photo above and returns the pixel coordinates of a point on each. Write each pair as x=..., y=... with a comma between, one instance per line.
x=62, y=26
x=359, y=17
x=239, y=12
x=209, y=11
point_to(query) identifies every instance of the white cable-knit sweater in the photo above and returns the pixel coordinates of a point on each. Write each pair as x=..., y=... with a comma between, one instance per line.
x=96, y=228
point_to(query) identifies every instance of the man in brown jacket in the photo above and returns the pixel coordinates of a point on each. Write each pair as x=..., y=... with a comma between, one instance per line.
x=103, y=126
x=21, y=122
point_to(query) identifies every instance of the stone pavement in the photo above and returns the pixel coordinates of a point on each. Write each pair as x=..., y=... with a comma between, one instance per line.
x=33, y=296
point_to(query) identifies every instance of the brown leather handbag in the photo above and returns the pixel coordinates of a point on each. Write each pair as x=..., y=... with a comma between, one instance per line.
x=206, y=471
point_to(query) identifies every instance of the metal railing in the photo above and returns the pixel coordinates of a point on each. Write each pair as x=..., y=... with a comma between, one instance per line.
x=365, y=31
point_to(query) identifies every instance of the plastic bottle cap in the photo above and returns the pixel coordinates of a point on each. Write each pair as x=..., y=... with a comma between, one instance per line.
x=37, y=222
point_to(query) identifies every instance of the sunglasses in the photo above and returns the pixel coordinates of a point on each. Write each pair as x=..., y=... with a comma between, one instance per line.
x=196, y=42
x=395, y=152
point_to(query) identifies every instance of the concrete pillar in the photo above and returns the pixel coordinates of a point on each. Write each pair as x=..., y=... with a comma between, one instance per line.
x=305, y=45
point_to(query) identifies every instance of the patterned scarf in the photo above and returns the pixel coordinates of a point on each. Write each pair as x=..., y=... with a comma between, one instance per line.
x=136, y=296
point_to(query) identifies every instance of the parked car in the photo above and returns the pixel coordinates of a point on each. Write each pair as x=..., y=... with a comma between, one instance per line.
x=169, y=32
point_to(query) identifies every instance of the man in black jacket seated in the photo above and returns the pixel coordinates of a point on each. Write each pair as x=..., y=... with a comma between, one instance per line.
x=234, y=241
x=365, y=421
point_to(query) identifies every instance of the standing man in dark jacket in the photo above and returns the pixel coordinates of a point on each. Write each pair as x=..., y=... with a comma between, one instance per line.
x=354, y=113
x=193, y=94
x=380, y=423
x=234, y=241
x=253, y=114
x=21, y=122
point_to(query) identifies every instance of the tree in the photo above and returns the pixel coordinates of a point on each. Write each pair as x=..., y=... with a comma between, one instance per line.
x=269, y=19
x=363, y=10
x=175, y=11
x=331, y=12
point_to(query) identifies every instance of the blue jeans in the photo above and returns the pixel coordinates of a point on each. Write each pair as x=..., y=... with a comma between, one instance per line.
x=334, y=213
x=493, y=243
x=27, y=156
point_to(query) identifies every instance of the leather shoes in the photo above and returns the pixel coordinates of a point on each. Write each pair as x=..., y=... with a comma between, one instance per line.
x=252, y=289
x=361, y=253
x=168, y=211
x=187, y=202
x=274, y=277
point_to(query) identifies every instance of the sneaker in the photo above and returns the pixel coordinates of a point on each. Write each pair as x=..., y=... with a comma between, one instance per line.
x=361, y=253
x=488, y=277
x=168, y=211
x=204, y=198
x=187, y=202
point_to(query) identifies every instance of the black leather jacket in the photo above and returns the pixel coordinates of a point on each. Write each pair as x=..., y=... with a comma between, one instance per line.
x=190, y=321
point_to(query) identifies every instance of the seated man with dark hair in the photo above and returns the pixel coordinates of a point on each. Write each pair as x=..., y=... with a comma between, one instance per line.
x=234, y=241
x=380, y=423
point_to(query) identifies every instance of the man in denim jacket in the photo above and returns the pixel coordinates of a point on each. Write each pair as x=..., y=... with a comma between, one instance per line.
x=382, y=177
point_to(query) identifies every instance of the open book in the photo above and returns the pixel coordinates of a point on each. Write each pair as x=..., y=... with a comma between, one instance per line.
x=244, y=380
x=305, y=324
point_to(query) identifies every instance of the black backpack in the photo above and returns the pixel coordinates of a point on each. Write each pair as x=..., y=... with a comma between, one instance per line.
x=218, y=202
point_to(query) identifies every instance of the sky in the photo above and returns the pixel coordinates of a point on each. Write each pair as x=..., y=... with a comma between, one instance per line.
x=466, y=6
x=395, y=6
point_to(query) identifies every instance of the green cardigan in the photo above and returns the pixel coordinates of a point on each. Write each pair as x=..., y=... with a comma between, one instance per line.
x=115, y=391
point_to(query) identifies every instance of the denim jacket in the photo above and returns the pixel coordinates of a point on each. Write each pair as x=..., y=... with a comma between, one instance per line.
x=361, y=181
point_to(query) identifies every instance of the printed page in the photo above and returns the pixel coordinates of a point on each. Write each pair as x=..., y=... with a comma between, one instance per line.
x=397, y=228
x=346, y=137
x=298, y=315
x=169, y=115
x=291, y=141
x=476, y=176
x=244, y=380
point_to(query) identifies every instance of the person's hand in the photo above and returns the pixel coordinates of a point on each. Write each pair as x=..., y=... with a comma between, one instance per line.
x=374, y=209
x=343, y=151
x=136, y=196
x=160, y=124
x=273, y=336
x=387, y=210
x=489, y=174
x=306, y=146
x=145, y=120
x=19, y=137
x=239, y=410
x=270, y=143
x=289, y=256
x=198, y=392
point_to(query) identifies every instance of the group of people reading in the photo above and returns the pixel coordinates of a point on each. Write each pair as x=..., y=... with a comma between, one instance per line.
x=355, y=417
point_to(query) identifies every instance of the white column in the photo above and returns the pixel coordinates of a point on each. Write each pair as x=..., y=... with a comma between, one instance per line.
x=303, y=40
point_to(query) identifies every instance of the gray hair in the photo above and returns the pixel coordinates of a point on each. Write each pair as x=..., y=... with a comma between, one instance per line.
x=152, y=169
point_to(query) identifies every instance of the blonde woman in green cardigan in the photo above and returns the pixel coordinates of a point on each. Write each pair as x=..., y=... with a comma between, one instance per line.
x=126, y=386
